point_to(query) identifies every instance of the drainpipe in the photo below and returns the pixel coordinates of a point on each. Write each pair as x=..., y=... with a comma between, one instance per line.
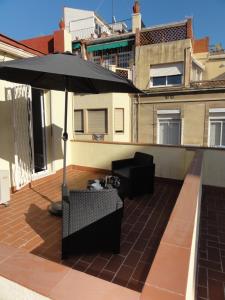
x=134, y=121
x=187, y=66
x=137, y=118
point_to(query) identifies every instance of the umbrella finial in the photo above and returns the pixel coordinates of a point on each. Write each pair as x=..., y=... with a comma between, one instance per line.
x=62, y=24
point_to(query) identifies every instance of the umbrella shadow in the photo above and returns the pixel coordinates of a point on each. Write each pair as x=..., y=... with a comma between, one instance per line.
x=42, y=195
x=48, y=228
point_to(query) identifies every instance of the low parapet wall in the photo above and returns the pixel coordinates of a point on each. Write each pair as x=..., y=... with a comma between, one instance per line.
x=172, y=275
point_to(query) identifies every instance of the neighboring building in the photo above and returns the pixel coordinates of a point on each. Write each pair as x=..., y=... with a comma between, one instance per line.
x=59, y=41
x=83, y=24
x=184, y=81
x=185, y=104
x=113, y=47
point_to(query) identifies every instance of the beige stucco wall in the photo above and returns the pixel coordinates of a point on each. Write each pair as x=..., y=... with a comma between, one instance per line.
x=213, y=168
x=120, y=100
x=171, y=162
x=202, y=57
x=193, y=123
x=157, y=54
x=214, y=67
x=67, y=41
x=6, y=130
x=57, y=104
x=146, y=123
x=213, y=64
x=109, y=102
x=194, y=110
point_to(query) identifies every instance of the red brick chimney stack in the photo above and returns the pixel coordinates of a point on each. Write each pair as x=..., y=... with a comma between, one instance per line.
x=61, y=24
x=136, y=7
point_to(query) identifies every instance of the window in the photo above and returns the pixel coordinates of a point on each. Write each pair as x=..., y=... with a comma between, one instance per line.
x=166, y=74
x=79, y=121
x=124, y=59
x=109, y=59
x=119, y=120
x=169, y=128
x=196, y=74
x=217, y=128
x=96, y=59
x=97, y=121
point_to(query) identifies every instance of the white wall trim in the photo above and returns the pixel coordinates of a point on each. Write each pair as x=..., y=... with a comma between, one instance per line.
x=195, y=61
x=217, y=110
x=168, y=111
x=15, y=51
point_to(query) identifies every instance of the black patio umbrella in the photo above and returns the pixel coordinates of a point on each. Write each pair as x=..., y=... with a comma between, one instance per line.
x=65, y=72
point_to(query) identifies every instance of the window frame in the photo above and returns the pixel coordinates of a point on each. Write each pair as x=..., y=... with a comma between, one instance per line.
x=166, y=65
x=79, y=131
x=119, y=131
x=166, y=77
x=219, y=119
x=167, y=119
x=106, y=120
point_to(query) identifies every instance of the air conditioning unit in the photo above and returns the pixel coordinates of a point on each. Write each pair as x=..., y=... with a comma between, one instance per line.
x=4, y=187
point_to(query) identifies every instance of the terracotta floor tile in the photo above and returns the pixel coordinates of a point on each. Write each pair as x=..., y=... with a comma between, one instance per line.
x=106, y=275
x=125, y=248
x=141, y=272
x=21, y=265
x=114, y=263
x=211, y=260
x=135, y=285
x=202, y=292
x=133, y=258
x=123, y=275
x=213, y=265
x=27, y=224
x=97, y=266
x=216, y=290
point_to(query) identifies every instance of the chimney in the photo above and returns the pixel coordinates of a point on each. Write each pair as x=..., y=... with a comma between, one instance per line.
x=62, y=39
x=136, y=17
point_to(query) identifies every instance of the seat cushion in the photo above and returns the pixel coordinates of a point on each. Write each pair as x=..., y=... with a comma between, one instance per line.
x=124, y=172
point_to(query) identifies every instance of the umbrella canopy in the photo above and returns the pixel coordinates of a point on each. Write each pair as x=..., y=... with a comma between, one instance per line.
x=65, y=71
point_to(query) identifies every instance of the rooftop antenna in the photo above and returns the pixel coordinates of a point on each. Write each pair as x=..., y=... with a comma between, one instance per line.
x=113, y=17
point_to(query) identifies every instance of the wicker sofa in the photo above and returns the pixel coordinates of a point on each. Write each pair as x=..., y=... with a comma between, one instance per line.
x=91, y=221
x=136, y=174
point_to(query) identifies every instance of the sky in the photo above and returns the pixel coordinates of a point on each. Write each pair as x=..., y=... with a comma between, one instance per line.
x=22, y=19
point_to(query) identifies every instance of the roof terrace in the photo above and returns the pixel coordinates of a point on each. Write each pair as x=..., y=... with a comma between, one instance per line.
x=159, y=255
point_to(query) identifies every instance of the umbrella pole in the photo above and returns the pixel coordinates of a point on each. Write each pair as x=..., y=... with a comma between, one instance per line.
x=65, y=138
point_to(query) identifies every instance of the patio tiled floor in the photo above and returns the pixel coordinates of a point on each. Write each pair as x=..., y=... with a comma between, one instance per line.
x=211, y=260
x=26, y=223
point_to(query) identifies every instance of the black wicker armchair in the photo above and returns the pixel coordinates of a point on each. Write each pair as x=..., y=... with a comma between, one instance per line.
x=136, y=175
x=91, y=221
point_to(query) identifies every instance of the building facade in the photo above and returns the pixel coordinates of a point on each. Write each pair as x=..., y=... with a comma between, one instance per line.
x=183, y=80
